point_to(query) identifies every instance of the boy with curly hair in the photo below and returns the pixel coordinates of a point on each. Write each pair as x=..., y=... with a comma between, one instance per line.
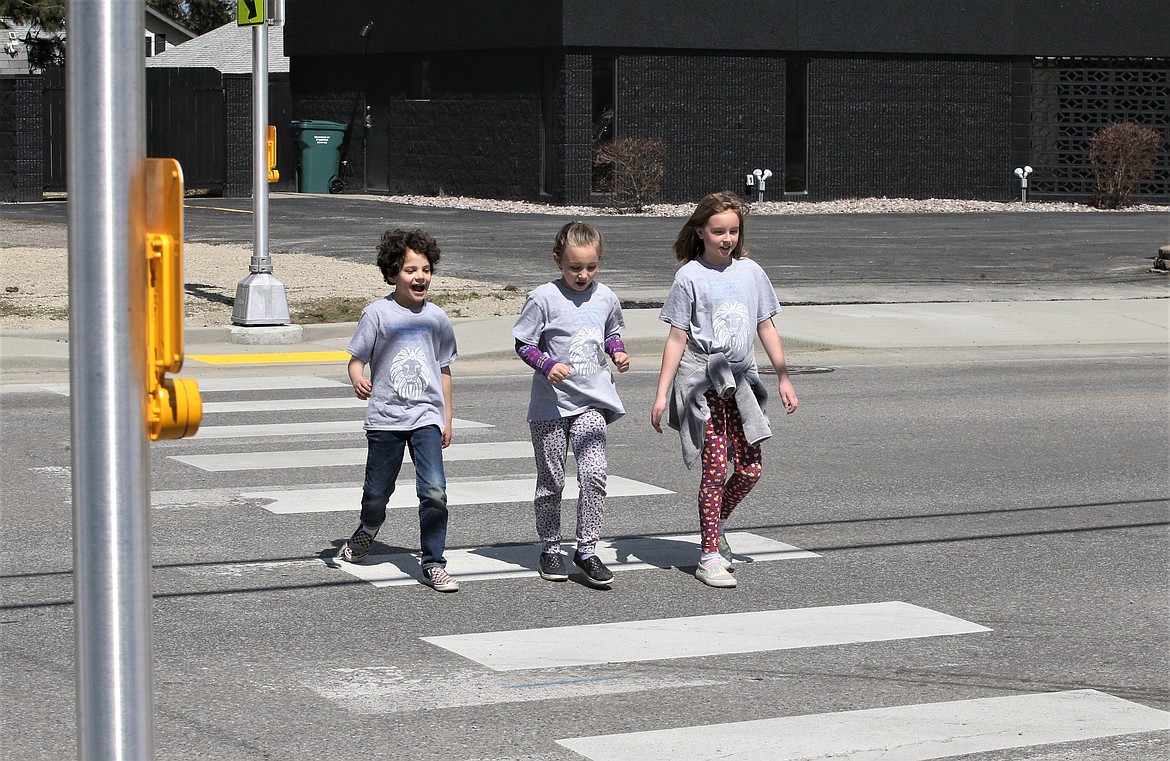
x=409, y=345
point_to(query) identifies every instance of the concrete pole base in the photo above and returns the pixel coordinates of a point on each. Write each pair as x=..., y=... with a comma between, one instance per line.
x=267, y=335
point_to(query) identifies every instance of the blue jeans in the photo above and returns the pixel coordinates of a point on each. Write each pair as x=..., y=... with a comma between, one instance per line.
x=384, y=460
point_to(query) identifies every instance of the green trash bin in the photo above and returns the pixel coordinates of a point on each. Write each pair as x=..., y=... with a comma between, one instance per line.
x=319, y=145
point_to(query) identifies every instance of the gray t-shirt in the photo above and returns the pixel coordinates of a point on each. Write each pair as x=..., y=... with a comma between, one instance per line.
x=405, y=351
x=720, y=307
x=571, y=327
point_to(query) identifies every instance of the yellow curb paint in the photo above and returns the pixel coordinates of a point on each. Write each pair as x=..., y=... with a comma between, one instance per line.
x=257, y=359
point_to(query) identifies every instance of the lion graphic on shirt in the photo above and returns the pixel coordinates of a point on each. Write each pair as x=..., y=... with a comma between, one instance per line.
x=731, y=325
x=587, y=351
x=408, y=373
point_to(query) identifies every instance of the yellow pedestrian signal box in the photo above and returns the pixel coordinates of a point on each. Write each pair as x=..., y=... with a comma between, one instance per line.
x=174, y=408
x=270, y=141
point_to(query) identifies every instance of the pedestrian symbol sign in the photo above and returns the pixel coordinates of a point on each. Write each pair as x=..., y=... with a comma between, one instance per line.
x=250, y=12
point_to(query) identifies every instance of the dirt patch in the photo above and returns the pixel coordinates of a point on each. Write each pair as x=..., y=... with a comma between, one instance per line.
x=34, y=289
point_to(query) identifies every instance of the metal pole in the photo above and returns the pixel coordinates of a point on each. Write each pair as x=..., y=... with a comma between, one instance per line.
x=107, y=371
x=260, y=297
x=261, y=261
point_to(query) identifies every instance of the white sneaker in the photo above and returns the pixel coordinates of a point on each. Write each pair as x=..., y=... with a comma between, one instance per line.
x=713, y=574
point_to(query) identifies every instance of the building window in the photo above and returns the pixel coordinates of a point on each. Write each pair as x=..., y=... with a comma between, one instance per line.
x=160, y=43
x=796, y=125
x=604, y=122
x=149, y=46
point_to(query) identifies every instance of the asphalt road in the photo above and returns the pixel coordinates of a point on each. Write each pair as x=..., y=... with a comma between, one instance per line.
x=832, y=258
x=1024, y=492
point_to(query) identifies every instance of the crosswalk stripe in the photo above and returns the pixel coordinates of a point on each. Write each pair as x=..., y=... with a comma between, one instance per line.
x=282, y=405
x=300, y=429
x=521, y=561
x=906, y=733
x=316, y=458
x=270, y=357
x=696, y=636
x=269, y=383
x=407, y=687
x=286, y=501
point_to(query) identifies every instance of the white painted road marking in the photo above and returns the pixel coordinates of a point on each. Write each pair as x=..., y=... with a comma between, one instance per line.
x=273, y=383
x=902, y=733
x=695, y=636
x=520, y=561
x=284, y=405
x=287, y=501
x=299, y=429
x=317, y=458
x=374, y=690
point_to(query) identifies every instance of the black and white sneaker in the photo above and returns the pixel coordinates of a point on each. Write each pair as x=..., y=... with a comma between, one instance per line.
x=356, y=549
x=596, y=574
x=552, y=567
x=437, y=578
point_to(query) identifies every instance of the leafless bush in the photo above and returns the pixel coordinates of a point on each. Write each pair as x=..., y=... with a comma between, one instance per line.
x=1122, y=155
x=633, y=168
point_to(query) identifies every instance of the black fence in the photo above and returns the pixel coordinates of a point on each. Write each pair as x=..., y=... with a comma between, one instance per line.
x=198, y=116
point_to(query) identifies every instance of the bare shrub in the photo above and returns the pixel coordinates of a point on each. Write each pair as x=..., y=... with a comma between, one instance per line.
x=633, y=168
x=1123, y=155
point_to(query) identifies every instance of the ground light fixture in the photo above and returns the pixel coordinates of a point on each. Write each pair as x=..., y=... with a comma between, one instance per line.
x=761, y=176
x=1022, y=173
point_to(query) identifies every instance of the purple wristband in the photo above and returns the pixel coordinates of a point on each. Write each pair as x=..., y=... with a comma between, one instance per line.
x=613, y=344
x=535, y=358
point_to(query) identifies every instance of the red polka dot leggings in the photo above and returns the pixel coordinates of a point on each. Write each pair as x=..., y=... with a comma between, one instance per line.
x=724, y=448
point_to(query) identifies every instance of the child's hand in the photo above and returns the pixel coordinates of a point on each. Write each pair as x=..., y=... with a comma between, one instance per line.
x=621, y=361
x=445, y=439
x=656, y=414
x=788, y=395
x=559, y=372
x=363, y=387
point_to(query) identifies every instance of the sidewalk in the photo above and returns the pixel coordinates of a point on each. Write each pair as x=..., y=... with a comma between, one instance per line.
x=803, y=328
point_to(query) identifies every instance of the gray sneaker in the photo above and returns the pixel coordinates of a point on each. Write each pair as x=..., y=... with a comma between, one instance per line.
x=356, y=549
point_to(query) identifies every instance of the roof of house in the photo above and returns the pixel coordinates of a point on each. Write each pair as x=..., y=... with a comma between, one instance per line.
x=227, y=48
x=176, y=32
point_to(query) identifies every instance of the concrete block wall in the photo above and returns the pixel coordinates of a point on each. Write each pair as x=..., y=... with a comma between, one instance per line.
x=721, y=116
x=21, y=139
x=486, y=147
x=915, y=128
x=238, y=136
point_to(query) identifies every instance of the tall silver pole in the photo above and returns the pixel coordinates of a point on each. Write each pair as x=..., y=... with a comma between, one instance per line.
x=261, y=261
x=107, y=372
x=260, y=297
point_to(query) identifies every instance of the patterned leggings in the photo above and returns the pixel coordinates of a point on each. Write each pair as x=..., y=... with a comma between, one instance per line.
x=724, y=445
x=550, y=439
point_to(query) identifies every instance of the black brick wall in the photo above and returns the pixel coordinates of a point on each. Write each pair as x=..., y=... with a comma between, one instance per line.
x=576, y=114
x=21, y=139
x=912, y=128
x=468, y=147
x=478, y=134
x=721, y=117
x=237, y=89
x=330, y=89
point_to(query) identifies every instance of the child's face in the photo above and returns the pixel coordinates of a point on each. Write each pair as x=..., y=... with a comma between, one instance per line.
x=412, y=281
x=720, y=236
x=578, y=266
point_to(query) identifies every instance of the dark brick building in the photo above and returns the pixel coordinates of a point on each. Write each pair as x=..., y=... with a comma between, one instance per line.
x=839, y=98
